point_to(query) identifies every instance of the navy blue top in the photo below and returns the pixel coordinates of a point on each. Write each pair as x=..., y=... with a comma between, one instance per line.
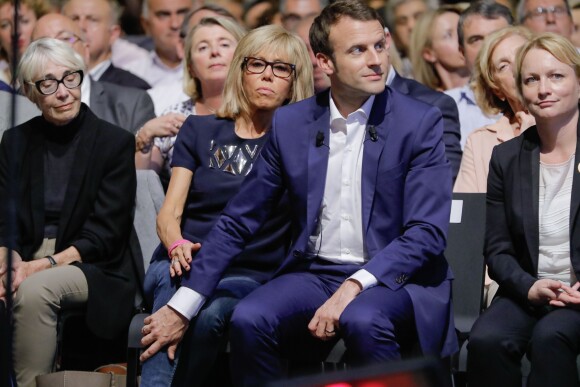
x=220, y=160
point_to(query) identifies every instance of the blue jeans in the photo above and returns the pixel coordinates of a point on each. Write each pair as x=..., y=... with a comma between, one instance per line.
x=207, y=333
x=159, y=288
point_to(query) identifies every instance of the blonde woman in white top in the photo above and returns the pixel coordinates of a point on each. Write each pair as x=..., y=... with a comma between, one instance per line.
x=532, y=245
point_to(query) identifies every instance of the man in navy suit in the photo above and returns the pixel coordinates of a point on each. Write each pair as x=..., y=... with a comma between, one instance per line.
x=367, y=177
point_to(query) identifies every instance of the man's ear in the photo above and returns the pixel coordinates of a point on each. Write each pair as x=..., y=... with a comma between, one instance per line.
x=325, y=63
x=115, y=32
x=388, y=38
x=145, y=25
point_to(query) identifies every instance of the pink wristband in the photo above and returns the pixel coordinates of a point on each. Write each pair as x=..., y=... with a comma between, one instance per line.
x=175, y=245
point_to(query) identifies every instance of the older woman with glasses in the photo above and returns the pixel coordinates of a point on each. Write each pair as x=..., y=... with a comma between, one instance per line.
x=69, y=180
x=213, y=155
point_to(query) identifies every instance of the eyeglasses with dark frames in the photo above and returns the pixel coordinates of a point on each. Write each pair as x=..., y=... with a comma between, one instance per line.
x=542, y=12
x=258, y=66
x=70, y=80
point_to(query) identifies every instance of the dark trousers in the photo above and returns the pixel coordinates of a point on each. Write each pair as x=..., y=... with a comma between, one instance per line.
x=271, y=324
x=506, y=331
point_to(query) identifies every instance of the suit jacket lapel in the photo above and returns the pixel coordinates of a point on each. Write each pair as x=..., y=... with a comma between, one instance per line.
x=96, y=100
x=372, y=151
x=399, y=85
x=575, y=207
x=530, y=191
x=317, y=158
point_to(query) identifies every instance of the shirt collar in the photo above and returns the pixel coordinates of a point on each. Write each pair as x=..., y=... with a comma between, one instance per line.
x=159, y=63
x=364, y=111
x=86, y=90
x=390, y=75
x=97, y=71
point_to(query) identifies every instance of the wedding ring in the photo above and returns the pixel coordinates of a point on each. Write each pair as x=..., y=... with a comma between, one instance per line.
x=174, y=261
x=329, y=332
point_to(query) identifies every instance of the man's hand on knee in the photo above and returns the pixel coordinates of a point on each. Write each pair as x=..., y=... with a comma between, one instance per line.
x=325, y=321
x=164, y=327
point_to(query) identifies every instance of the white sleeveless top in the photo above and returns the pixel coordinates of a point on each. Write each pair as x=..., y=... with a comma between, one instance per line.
x=554, y=221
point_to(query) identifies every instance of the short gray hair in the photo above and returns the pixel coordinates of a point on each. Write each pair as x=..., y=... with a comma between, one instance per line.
x=282, y=5
x=38, y=54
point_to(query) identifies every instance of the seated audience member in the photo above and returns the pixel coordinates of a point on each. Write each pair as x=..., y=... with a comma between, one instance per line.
x=76, y=192
x=99, y=22
x=209, y=48
x=24, y=110
x=126, y=107
x=28, y=12
x=495, y=92
x=292, y=11
x=434, y=51
x=575, y=38
x=321, y=80
x=546, y=16
x=213, y=155
x=401, y=17
x=162, y=20
x=531, y=231
x=171, y=92
x=475, y=23
x=451, y=128
x=369, y=213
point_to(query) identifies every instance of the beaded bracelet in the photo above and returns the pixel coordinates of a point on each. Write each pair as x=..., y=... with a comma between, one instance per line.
x=175, y=245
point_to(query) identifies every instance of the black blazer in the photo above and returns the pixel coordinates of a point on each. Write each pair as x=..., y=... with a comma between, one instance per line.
x=448, y=108
x=123, y=78
x=512, y=231
x=97, y=214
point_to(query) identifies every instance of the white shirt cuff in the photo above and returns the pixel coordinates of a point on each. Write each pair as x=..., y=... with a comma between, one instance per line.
x=187, y=302
x=366, y=279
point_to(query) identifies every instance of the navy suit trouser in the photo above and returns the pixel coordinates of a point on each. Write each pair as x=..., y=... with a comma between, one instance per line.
x=271, y=324
x=506, y=331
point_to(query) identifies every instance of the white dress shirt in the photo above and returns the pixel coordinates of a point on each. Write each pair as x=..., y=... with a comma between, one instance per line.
x=554, y=221
x=470, y=115
x=154, y=71
x=339, y=238
x=86, y=90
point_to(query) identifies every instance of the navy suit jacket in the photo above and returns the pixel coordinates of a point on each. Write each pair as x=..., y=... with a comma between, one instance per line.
x=448, y=108
x=406, y=200
x=123, y=78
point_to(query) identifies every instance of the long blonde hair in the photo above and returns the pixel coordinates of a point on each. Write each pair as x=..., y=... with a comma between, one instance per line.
x=270, y=38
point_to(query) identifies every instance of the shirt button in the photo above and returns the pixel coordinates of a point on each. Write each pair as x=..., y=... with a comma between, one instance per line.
x=346, y=182
x=346, y=251
x=345, y=217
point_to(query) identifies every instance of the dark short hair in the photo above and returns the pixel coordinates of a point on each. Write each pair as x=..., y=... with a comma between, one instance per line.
x=207, y=7
x=330, y=15
x=488, y=10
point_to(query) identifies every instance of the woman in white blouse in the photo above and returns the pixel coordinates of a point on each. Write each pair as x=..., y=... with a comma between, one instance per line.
x=532, y=245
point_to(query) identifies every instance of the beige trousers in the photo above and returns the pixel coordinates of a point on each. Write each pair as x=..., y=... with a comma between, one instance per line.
x=37, y=303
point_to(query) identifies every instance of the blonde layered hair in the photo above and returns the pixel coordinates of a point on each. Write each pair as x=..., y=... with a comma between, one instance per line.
x=483, y=81
x=423, y=70
x=191, y=84
x=271, y=39
x=558, y=46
